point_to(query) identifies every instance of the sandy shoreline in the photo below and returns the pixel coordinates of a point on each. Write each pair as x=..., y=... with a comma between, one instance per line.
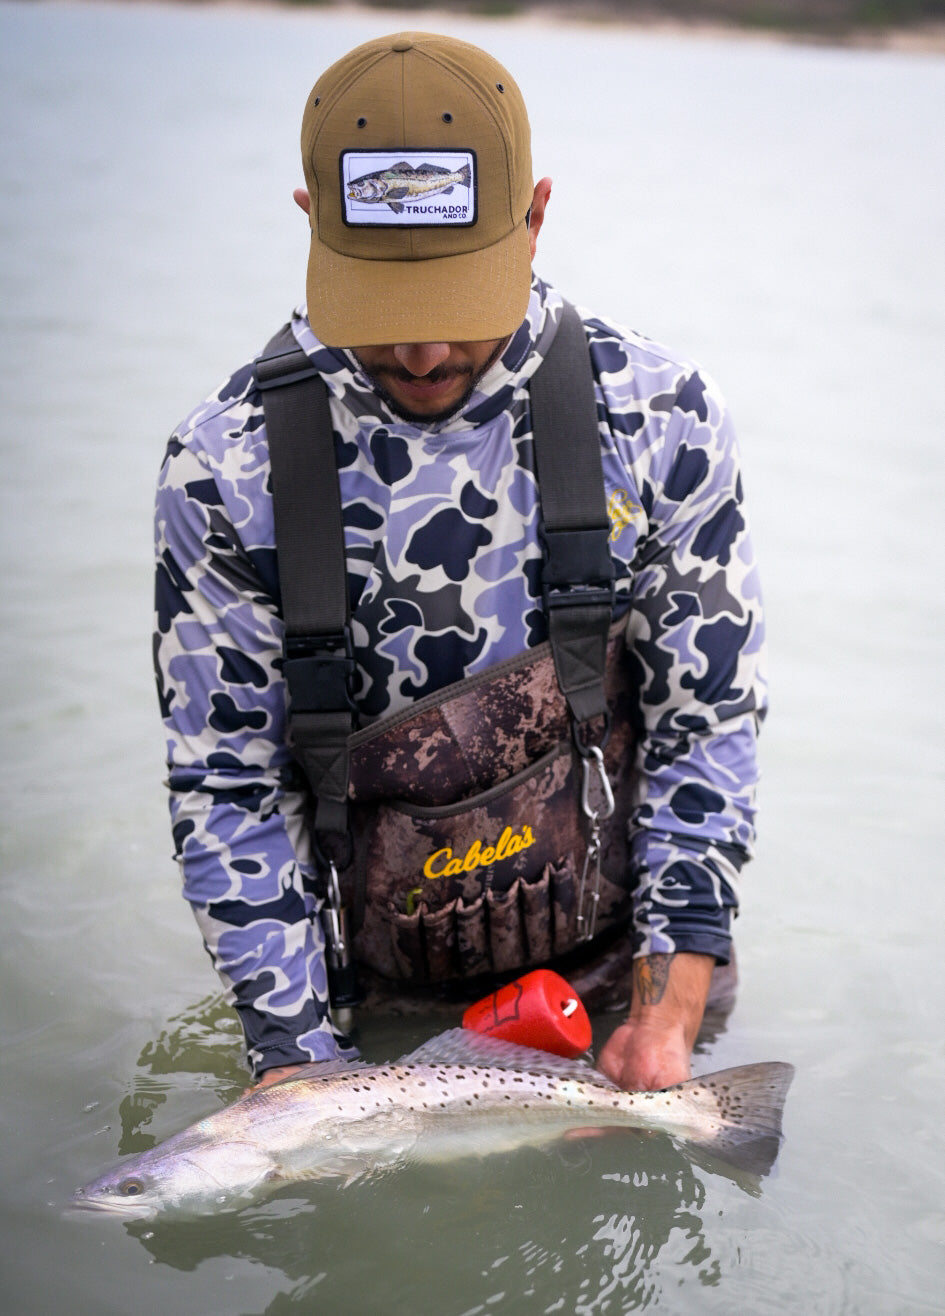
x=920, y=37
x=927, y=37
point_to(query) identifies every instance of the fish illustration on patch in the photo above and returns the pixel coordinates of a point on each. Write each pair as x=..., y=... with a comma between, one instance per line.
x=409, y=187
x=403, y=184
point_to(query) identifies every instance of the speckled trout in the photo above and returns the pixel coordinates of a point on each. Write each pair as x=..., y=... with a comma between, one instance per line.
x=403, y=184
x=461, y=1093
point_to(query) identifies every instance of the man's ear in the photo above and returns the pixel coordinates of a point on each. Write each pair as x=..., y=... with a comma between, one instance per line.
x=301, y=198
x=536, y=216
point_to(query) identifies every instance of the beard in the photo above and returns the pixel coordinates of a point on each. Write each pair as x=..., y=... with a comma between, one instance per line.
x=438, y=375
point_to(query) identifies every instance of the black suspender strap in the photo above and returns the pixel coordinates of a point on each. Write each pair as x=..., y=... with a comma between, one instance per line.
x=318, y=658
x=578, y=572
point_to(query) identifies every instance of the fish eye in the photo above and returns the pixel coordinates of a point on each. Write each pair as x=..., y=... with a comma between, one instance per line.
x=131, y=1187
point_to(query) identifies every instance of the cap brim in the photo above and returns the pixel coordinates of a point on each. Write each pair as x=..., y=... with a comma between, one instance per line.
x=465, y=298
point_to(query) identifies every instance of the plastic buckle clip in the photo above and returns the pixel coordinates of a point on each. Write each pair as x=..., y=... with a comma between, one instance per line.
x=318, y=671
x=578, y=570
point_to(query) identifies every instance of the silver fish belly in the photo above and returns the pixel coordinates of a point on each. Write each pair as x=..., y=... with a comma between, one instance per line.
x=459, y=1094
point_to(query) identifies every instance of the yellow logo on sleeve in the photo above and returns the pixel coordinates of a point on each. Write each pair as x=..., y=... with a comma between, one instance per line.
x=443, y=864
x=621, y=509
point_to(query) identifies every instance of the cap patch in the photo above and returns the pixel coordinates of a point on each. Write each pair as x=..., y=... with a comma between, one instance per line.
x=408, y=189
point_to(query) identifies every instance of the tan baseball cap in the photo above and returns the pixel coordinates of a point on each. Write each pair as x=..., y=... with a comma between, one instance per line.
x=417, y=158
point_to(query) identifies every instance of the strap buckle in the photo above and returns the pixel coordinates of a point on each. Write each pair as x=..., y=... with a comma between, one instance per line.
x=319, y=670
x=578, y=570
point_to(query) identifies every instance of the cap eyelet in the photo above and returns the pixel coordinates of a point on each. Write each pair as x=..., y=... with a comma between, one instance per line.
x=447, y=117
x=318, y=100
x=362, y=122
x=499, y=87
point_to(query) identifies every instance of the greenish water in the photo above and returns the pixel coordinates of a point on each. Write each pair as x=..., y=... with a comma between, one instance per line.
x=778, y=212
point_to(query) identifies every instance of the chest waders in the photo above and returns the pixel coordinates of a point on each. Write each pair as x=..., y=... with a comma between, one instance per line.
x=483, y=830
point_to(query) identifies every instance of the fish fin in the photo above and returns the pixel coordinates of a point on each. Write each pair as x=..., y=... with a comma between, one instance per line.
x=463, y=1046
x=397, y=192
x=433, y=169
x=402, y=167
x=447, y=190
x=395, y=206
x=347, y=1168
x=320, y=1069
x=743, y=1109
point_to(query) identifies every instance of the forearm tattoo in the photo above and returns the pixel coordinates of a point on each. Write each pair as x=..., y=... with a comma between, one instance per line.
x=650, y=976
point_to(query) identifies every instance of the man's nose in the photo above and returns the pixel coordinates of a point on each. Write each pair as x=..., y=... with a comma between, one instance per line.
x=421, y=358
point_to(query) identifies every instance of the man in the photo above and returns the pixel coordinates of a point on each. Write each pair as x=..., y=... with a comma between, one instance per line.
x=427, y=327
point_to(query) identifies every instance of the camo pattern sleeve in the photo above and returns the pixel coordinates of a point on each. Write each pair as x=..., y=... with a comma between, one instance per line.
x=236, y=804
x=695, y=635
x=443, y=553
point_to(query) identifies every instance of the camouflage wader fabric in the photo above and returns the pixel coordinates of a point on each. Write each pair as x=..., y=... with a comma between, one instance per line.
x=469, y=837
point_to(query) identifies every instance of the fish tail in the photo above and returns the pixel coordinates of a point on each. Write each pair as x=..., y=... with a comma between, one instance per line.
x=738, y=1112
x=465, y=176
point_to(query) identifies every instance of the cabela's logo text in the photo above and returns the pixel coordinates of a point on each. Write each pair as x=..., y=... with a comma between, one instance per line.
x=442, y=863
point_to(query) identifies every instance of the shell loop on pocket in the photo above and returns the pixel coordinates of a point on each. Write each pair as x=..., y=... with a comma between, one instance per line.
x=563, y=912
x=537, y=919
x=506, y=934
x=439, y=942
x=472, y=938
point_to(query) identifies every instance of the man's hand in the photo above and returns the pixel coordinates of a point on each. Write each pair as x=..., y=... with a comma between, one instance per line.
x=652, y=1049
x=273, y=1076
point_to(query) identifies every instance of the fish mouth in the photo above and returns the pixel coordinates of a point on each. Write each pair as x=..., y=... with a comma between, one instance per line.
x=129, y=1209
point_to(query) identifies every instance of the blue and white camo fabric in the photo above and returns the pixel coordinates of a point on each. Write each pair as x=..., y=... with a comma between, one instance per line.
x=443, y=557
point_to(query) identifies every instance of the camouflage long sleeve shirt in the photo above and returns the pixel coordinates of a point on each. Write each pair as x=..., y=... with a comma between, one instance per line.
x=443, y=556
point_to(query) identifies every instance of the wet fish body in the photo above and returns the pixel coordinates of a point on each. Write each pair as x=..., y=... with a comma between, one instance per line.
x=459, y=1094
x=403, y=184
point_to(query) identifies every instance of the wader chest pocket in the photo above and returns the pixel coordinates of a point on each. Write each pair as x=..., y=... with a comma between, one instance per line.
x=486, y=885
